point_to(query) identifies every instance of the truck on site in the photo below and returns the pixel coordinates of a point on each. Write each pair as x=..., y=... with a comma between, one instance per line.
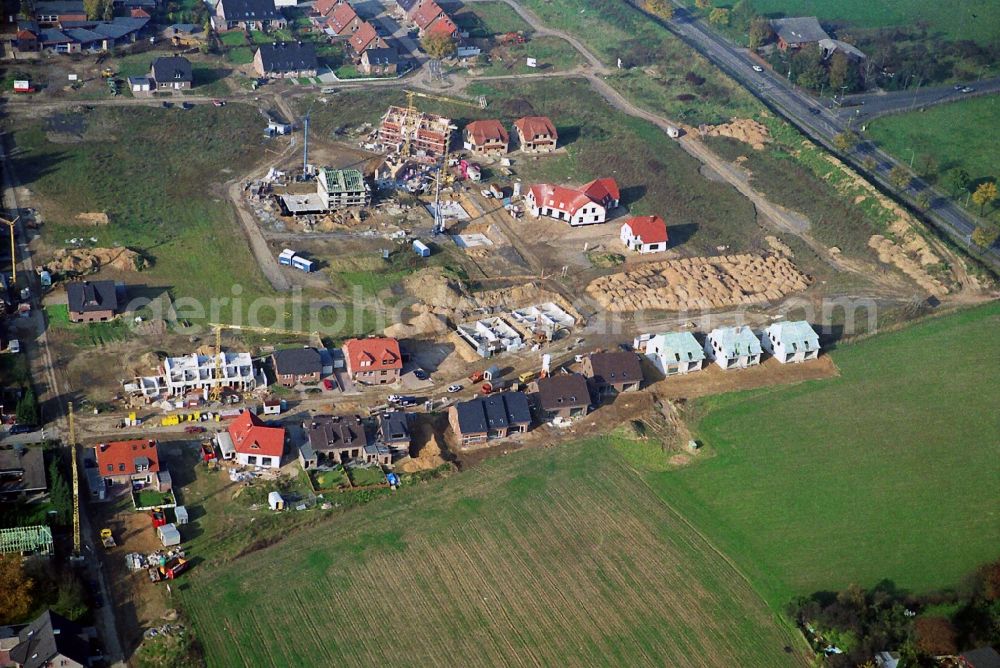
x=526, y=377
x=107, y=539
x=169, y=570
x=158, y=517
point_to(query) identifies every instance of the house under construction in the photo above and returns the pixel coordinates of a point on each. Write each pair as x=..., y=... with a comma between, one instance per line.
x=412, y=133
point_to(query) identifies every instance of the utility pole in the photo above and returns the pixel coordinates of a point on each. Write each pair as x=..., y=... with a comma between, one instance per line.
x=13, y=248
x=305, y=146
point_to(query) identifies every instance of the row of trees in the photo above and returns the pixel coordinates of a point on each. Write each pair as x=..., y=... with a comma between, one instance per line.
x=28, y=586
x=862, y=622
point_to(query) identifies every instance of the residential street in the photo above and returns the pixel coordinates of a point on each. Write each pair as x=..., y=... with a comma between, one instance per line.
x=873, y=105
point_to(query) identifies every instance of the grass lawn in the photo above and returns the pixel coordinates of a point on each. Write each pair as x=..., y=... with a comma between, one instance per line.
x=148, y=497
x=363, y=477
x=484, y=19
x=333, y=479
x=887, y=472
x=952, y=134
x=233, y=38
x=209, y=80
x=978, y=20
x=559, y=556
x=552, y=53
x=167, y=208
x=87, y=334
x=241, y=55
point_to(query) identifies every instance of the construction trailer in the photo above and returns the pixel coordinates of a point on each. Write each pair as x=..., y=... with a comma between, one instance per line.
x=413, y=133
x=180, y=515
x=285, y=257
x=421, y=249
x=169, y=535
x=302, y=264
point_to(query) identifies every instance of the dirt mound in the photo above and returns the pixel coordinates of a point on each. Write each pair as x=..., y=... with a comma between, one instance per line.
x=428, y=458
x=699, y=283
x=899, y=257
x=778, y=246
x=520, y=296
x=422, y=324
x=436, y=290
x=78, y=261
x=745, y=130
x=98, y=218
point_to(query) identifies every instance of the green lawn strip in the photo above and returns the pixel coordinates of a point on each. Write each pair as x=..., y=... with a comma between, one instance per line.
x=884, y=472
x=242, y=55
x=552, y=54
x=947, y=137
x=233, y=38
x=484, y=19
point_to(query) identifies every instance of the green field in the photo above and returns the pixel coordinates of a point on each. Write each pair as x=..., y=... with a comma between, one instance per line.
x=953, y=134
x=552, y=53
x=167, y=208
x=484, y=19
x=978, y=20
x=889, y=471
x=553, y=557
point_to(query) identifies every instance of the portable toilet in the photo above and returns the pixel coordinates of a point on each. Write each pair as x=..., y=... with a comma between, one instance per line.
x=169, y=535
x=180, y=515
x=285, y=257
x=421, y=249
x=275, y=502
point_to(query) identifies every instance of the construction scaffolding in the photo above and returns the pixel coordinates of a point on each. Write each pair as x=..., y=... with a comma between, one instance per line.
x=27, y=541
x=414, y=134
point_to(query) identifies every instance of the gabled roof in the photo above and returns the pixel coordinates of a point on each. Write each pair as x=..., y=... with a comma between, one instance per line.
x=425, y=13
x=602, y=190
x=249, y=10
x=190, y=28
x=88, y=296
x=559, y=197
x=324, y=7
x=381, y=56
x=172, y=68
x=297, y=361
x=442, y=25
x=563, y=390
x=59, y=7
x=363, y=37
x=406, y=5
x=531, y=127
x=334, y=432
x=488, y=130
x=21, y=470
x=394, y=426
x=288, y=56
x=124, y=457
x=648, y=229
x=799, y=30
x=676, y=347
x=496, y=411
x=736, y=341
x=615, y=367
x=375, y=353
x=48, y=636
x=340, y=18
x=795, y=336
x=251, y=437
x=139, y=13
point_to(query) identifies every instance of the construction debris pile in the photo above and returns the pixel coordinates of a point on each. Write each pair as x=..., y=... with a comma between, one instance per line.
x=79, y=261
x=699, y=283
x=136, y=561
x=745, y=130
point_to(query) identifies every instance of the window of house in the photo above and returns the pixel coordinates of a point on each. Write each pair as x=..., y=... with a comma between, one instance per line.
x=252, y=460
x=121, y=467
x=111, y=468
x=265, y=461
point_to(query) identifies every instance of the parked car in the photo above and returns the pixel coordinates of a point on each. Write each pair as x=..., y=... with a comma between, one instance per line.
x=23, y=428
x=420, y=374
x=193, y=429
x=328, y=385
x=219, y=103
x=407, y=401
x=968, y=89
x=758, y=68
x=454, y=388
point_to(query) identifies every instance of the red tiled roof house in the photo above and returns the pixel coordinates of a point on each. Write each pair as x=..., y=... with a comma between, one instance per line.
x=645, y=234
x=366, y=37
x=343, y=21
x=536, y=134
x=374, y=361
x=125, y=462
x=255, y=443
x=442, y=25
x=586, y=206
x=488, y=137
x=425, y=13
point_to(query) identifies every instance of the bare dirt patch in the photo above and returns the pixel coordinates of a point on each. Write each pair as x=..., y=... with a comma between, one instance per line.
x=79, y=261
x=745, y=130
x=713, y=380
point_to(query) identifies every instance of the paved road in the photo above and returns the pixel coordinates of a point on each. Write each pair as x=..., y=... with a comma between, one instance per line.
x=865, y=106
x=815, y=121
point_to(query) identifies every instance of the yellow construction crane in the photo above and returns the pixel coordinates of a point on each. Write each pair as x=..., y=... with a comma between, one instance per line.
x=13, y=248
x=215, y=392
x=76, y=483
x=410, y=94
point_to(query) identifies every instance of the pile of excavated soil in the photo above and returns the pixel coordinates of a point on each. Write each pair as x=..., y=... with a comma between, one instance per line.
x=79, y=261
x=428, y=458
x=423, y=324
x=96, y=218
x=520, y=296
x=437, y=291
x=896, y=255
x=699, y=283
x=779, y=246
x=745, y=130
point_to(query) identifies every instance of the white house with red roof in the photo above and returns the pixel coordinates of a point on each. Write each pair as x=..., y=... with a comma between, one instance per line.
x=645, y=234
x=255, y=443
x=373, y=361
x=588, y=205
x=135, y=460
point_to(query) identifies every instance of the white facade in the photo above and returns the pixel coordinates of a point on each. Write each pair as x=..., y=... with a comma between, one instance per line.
x=791, y=342
x=197, y=372
x=262, y=461
x=635, y=243
x=491, y=336
x=733, y=347
x=674, y=353
x=591, y=213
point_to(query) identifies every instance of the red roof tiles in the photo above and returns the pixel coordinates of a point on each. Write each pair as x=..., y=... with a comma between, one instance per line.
x=373, y=353
x=648, y=229
x=481, y=132
x=123, y=457
x=341, y=18
x=531, y=127
x=251, y=437
x=443, y=25
x=364, y=36
x=425, y=13
x=558, y=197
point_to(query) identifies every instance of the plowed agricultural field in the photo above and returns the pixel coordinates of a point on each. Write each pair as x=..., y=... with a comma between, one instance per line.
x=552, y=557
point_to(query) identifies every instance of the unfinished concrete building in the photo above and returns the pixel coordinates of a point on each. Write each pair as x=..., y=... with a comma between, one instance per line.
x=491, y=336
x=194, y=373
x=343, y=188
x=414, y=133
x=546, y=321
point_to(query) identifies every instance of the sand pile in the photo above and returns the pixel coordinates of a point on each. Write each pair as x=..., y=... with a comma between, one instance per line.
x=428, y=458
x=896, y=255
x=423, y=324
x=699, y=283
x=742, y=129
x=779, y=246
x=88, y=260
x=437, y=291
x=520, y=296
x=97, y=218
